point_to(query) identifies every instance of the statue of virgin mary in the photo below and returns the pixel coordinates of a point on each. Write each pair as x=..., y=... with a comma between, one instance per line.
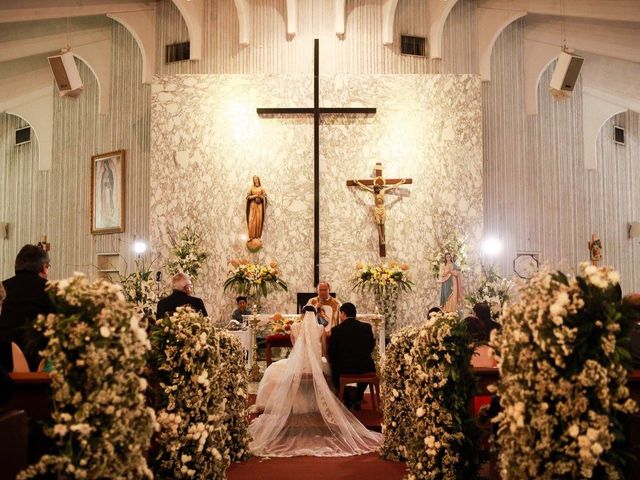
x=256, y=208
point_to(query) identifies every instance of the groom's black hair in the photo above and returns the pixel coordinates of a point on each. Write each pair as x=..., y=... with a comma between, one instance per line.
x=309, y=308
x=349, y=310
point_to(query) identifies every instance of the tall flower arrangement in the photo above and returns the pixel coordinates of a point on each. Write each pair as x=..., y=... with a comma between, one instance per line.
x=254, y=279
x=140, y=289
x=201, y=394
x=428, y=383
x=494, y=291
x=450, y=241
x=386, y=282
x=102, y=427
x=187, y=253
x=563, y=380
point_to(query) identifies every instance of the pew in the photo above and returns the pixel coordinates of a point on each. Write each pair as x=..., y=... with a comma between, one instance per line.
x=31, y=392
x=14, y=445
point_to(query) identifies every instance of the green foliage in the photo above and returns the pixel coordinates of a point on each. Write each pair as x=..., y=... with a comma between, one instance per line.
x=428, y=384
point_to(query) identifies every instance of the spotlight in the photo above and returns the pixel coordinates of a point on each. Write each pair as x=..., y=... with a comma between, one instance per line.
x=139, y=247
x=491, y=246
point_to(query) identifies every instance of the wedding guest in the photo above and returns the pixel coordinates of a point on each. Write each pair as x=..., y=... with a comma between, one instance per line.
x=180, y=297
x=242, y=309
x=482, y=311
x=480, y=333
x=327, y=306
x=350, y=347
x=26, y=299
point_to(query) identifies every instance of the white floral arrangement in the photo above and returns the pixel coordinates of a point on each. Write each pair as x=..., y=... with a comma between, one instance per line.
x=386, y=282
x=493, y=290
x=200, y=382
x=96, y=347
x=187, y=254
x=140, y=289
x=563, y=386
x=427, y=383
x=451, y=241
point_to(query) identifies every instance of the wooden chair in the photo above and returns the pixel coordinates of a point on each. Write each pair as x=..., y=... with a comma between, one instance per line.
x=20, y=364
x=369, y=378
x=277, y=340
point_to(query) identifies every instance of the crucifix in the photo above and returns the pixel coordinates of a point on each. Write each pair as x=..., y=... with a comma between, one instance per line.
x=316, y=111
x=379, y=186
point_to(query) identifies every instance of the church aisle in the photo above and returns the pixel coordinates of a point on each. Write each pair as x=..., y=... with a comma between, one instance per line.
x=370, y=466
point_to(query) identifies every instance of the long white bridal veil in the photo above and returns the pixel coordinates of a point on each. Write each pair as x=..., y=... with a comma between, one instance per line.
x=303, y=416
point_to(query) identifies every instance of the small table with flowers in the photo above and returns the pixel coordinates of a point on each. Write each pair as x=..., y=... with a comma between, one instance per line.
x=275, y=328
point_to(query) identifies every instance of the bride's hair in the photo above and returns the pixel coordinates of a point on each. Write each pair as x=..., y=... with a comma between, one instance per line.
x=309, y=308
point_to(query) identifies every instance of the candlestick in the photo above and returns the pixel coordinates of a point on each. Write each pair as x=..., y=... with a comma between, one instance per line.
x=377, y=319
x=254, y=374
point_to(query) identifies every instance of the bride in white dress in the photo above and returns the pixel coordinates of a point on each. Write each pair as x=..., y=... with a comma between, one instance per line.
x=301, y=414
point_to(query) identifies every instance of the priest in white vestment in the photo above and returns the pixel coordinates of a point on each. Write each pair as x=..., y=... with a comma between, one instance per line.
x=327, y=306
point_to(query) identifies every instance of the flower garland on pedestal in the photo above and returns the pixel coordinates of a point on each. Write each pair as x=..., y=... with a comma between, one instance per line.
x=427, y=384
x=450, y=242
x=563, y=377
x=102, y=427
x=386, y=282
x=494, y=291
x=254, y=280
x=187, y=254
x=201, y=387
x=140, y=289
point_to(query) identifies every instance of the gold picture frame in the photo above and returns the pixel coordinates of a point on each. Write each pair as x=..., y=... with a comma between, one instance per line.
x=108, y=192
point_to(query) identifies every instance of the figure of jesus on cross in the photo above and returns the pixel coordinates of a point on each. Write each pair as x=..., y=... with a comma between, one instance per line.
x=379, y=186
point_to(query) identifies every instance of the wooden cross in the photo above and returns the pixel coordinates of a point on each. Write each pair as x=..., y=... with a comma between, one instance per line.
x=379, y=186
x=316, y=111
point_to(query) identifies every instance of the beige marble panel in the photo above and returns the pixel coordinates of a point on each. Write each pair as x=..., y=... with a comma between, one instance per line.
x=427, y=127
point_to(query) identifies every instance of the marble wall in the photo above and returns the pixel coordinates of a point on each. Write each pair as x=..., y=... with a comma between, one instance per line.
x=428, y=128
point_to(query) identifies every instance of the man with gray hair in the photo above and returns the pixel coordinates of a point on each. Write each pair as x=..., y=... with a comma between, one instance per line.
x=181, y=296
x=26, y=299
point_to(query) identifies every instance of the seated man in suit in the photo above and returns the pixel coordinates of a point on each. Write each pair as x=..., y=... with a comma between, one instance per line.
x=26, y=299
x=181, y=296
x=350, y=347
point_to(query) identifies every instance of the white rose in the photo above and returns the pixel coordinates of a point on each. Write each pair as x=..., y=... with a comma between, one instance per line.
x=574, y=431
x=105, y=332
x=557, y=310
x=592, y=434
x=596, y=448
x=420, y=412
x=590, y=270
x=613, y=276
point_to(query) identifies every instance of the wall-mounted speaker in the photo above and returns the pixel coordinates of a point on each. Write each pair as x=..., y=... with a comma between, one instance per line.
x=634, y=229
x=566, y=73
x=66, y=74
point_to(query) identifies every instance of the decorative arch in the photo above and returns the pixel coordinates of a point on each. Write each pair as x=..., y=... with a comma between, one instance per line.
x=439, y=10
x=491, y=23
x=292, y=17
x=142, y=26
x=537, y=58
x=244, y=21
x=36, y=108
x=97, y=56
x=389, y=8
x=595, y=113
x=192, y=12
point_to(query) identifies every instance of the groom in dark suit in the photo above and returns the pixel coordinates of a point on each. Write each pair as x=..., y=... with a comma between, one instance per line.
x=350, y=347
